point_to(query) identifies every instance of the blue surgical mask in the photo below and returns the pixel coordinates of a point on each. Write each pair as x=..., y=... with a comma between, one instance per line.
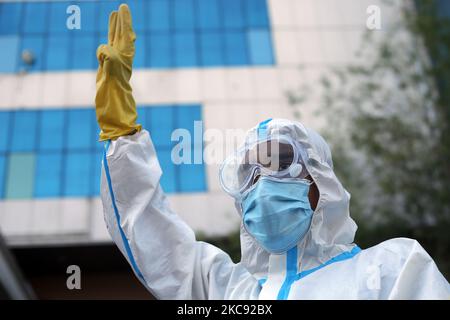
x=277, y=213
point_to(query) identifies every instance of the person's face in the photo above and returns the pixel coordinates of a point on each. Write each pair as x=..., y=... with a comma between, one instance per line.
x=284, y=154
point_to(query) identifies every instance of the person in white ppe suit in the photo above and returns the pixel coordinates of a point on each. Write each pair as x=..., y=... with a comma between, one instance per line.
x=296, y=232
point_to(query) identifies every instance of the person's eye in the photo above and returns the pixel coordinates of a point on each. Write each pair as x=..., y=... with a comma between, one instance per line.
x=256, y=178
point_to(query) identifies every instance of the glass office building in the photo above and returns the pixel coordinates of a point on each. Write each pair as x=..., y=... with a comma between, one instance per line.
x=226, y=63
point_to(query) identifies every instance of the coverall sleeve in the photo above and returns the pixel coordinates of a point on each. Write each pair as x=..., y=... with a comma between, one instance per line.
x=160, y=247
x=419, y=278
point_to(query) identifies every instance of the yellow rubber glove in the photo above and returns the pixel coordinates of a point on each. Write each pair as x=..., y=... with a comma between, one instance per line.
x=114, y=103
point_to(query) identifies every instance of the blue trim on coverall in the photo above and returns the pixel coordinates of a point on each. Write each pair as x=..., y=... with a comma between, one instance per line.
x=291, y=269
x=117, y=215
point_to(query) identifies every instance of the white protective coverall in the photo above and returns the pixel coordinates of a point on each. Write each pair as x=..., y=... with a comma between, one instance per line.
x=168, y=260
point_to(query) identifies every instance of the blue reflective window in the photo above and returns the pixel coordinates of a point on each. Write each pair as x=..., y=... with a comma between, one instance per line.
x=211, y=48
x=160, y=48
x=35, y=17
x=5, y=122
x=142, y=117
x=10, y=17
x=137, y=8
x=167, y=33
x=99, y=145
x=161, y=125
x=51, y=133
x=140, y=54
x=58, y=18
x=257, y=15
x=89, y=16
x=79, y=129
x=78, y=174
x=20, y=176
x=57, y=57
x=66, y=160
x=48, y=175
x=84, y=52
x=260, y=47
x=183, y=12
x=158, y=18
x=105, y=9
x=34, y=44
x=186, y=117
x=2, y=175
x=236, y=48
x=24, y=131
x=168, y=178
x=233, y=13
x=185, y=49
x=192, y=178
x=97, y=168
x=9, y=53
x=208, y=14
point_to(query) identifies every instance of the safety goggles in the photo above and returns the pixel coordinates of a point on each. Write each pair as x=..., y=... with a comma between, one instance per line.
x=274, y=156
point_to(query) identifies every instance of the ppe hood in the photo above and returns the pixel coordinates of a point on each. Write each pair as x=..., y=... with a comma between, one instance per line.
x=332, y=229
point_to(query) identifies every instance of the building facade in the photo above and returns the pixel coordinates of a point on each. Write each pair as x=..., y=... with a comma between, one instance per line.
x=223, y=64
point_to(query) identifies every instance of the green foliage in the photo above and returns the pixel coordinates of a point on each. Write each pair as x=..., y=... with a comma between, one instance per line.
x=388, y=121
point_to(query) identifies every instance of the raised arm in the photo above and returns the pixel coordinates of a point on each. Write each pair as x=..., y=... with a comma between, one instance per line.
x=159, y=246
